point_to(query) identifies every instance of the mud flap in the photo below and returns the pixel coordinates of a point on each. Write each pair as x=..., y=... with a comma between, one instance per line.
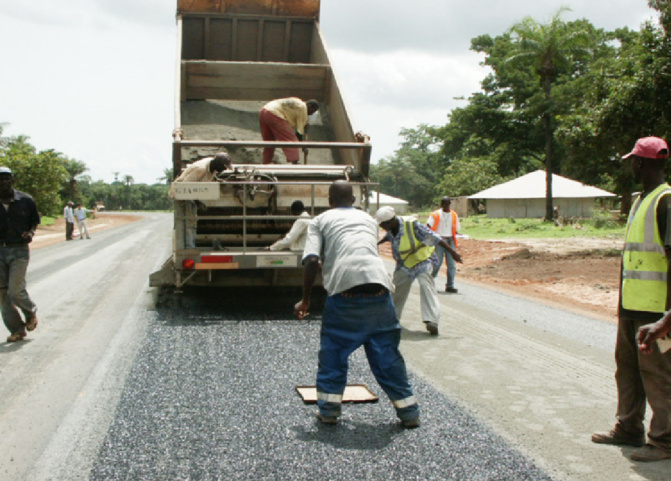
x=164, y=276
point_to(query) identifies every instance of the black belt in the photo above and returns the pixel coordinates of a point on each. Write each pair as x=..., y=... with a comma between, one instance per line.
x=365, y=290
x=12, y=244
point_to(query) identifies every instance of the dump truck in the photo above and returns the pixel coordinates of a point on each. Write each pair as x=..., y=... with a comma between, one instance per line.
x=234, y=56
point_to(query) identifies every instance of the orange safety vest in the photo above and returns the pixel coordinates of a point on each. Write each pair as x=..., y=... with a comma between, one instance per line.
x=435, y=215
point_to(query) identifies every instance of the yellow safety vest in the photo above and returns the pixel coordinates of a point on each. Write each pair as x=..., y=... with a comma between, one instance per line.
x=644, y=261
x=411, y=250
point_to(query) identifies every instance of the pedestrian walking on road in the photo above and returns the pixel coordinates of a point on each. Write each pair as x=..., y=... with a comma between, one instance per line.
x=69, y=216
x=80, y=215
x=358, y=309
x=412, y=246
x=18, y=221
x=286, y=120
x=445, y=223
x=644, y=297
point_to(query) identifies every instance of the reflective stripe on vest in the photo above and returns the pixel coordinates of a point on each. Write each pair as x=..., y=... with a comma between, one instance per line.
x=644, y=261
x=411, y=250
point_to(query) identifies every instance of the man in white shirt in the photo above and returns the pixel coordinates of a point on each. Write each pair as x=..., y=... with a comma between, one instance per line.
x=203, y=170
x=358, y=309
x=295, y=238
x=285, y=120
x=445, y=223
x=69, y=217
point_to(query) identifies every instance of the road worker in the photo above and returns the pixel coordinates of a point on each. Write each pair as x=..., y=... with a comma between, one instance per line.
x=285, y=120
x=203, y=170
x=445, y=223
x=294, y=240
x=358, y=309
x=644, y=298
x=412, y=246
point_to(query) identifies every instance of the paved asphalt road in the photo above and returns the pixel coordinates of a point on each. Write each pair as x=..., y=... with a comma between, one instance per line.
x=121, y=382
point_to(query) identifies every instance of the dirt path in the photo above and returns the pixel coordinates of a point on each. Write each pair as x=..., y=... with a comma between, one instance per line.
x=53, y=234
x=580, y=274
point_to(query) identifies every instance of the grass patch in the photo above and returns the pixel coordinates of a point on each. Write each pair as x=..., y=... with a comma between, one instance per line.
x=602, y=225
x=47, y=221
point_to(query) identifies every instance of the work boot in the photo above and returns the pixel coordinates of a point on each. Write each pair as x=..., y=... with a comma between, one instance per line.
x=31, y=323
x=619, y=438
x=432, y=327
x=331, y=420
x=650, y=453
x=17, y=336
x=410, y=423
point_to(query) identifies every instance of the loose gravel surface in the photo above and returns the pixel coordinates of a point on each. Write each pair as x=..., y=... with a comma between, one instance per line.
x=212, y=395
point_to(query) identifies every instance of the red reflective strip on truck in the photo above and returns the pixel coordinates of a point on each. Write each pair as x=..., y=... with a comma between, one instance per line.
x=216, y=259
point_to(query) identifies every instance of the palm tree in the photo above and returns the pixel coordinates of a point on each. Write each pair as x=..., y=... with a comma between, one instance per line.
x=551, y=49
x=75, y=168
x=168, y=176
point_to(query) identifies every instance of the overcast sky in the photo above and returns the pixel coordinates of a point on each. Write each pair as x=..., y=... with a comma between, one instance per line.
x=94, y=79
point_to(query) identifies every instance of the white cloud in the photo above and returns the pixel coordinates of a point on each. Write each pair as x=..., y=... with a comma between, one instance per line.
x=94, y=79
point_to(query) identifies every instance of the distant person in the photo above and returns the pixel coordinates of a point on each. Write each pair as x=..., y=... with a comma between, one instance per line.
x=358, y=310
x=644, y=298
x=18, y=221
x=80, y=215
x=445, y=223
x=285, y=120
x=69, y=217
x=295, y=238
x=412, y=246
x=203, y=170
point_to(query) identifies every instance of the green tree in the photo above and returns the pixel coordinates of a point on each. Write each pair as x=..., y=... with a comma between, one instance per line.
x=39, y=174
x=75, y=169
x=410, y=172
x=551, y=49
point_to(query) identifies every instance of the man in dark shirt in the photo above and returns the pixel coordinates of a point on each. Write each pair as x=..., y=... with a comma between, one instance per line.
x=18, y=221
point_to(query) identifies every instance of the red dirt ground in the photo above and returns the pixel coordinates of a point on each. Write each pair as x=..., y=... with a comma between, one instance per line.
x=579, y=274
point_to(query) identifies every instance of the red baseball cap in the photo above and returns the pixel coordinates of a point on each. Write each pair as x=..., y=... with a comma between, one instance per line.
x=650, y=148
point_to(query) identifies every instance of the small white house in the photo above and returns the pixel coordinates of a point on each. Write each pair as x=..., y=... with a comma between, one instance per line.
x=399, y=205
x=525, y=197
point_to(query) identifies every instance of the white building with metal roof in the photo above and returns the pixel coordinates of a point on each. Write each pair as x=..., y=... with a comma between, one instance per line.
x=525, y=197
x=399, y=205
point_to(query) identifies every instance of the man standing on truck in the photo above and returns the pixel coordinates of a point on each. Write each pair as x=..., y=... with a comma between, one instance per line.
x=285, y=120
x=203, y=170
x=18, y=221
x=358, y=309
x=644, y=298
x=412, y=245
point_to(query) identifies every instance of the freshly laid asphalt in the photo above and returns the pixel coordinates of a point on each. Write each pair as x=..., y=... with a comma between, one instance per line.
x=211, y=396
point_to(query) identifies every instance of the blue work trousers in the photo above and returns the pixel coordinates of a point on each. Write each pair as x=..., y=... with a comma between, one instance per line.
x=13, y=294
x=449, y=260
x=371, y=322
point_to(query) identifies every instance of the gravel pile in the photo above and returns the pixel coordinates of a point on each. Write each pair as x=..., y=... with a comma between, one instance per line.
x=212, y=397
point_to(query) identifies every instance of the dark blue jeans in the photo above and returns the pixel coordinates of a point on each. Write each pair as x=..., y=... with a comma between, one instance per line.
x=349, y=323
